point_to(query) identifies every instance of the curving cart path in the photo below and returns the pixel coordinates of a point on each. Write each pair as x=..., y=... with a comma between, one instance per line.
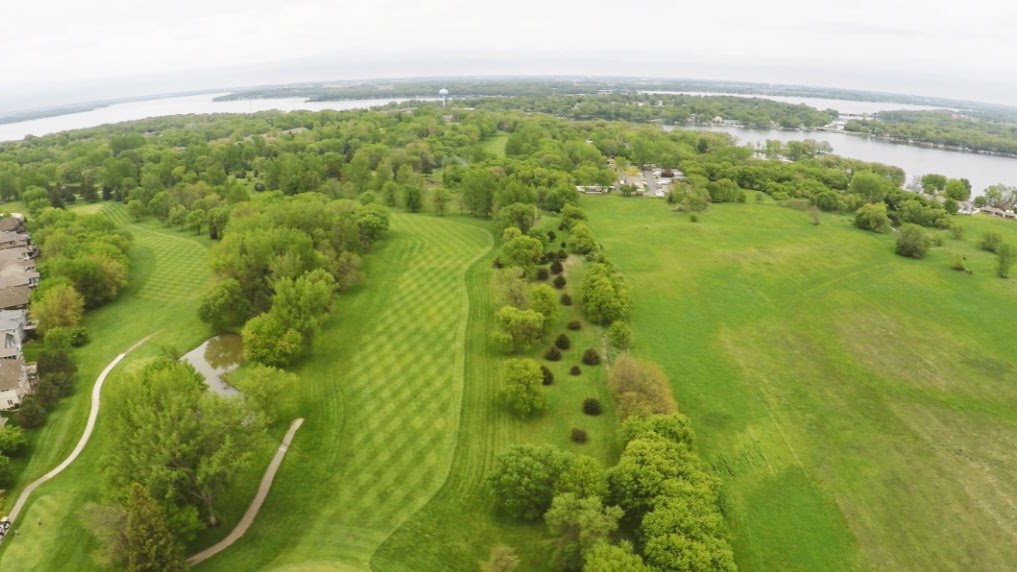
x=259, y=499
x=93, y=414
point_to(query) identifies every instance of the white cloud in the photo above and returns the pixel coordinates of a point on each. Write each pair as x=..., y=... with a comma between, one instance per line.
x=958, y=49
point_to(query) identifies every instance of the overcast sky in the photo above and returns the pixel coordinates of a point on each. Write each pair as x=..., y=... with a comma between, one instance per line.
x=63, y=51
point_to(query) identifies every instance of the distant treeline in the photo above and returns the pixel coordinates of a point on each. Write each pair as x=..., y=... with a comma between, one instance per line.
x=986, y=131
x=673, y=109
x=474, y=87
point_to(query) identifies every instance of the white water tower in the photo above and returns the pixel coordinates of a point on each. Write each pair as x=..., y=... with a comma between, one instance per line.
x=444, y=96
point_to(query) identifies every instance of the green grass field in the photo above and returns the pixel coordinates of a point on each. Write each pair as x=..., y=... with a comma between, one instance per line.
x=403, y=420
x=857, y=405
x=495, y=145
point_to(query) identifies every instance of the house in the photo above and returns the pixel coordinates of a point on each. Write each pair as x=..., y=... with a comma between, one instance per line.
x=11, y=239
x=15, y=298
x=967, y=207
x=992, y=211
x=15, y=274
x=17, y=255
x=593, y=189
x=17, y=380
x=13, y=223
x=13, y=324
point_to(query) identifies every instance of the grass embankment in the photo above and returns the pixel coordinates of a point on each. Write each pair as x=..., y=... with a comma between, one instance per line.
x=858, y=405
x=168, y=275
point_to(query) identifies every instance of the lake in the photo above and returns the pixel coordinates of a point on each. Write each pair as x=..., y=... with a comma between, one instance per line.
x=134, y=110
x=981, y=170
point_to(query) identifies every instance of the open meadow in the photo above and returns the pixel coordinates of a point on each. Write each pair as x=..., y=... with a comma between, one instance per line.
x=857, y=405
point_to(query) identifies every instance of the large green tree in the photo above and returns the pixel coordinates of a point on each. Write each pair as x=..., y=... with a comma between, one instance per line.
x=516, y=329
x=58, y=306
x=579, y=524
x=149, y=543
x=181, y=442
x=523, y=479
x=521, y=381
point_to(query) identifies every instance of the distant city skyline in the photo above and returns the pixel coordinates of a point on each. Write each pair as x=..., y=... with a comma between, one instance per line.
x=63, y=52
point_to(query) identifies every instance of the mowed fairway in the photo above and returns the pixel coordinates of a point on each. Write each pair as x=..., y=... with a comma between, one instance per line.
x=168, y=275
x=859, y=406
x=382, y=396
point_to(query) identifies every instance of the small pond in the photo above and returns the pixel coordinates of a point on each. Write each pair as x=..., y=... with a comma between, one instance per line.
x=216, y=357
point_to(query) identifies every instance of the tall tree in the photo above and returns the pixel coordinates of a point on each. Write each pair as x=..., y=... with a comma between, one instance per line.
x=149, y=542
x=59, y=306
x=181, y=442
x=579, y=524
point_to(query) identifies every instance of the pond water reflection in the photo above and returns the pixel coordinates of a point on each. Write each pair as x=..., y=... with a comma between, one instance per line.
x=216, y=357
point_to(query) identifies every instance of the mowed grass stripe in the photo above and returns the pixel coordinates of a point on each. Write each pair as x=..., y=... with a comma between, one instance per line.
x=381, y=394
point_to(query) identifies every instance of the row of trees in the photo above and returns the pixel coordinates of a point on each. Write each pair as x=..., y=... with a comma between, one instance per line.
x=941, y=128
x=669, y=108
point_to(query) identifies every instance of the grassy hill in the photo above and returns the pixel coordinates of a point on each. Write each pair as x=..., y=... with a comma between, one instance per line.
x=858, y=405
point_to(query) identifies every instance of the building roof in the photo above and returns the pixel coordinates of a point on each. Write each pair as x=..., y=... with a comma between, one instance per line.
x=10, y=374
x=14, y=297
x=16, y=275
x=18, y=254
x=11, y=237
x=12, y=224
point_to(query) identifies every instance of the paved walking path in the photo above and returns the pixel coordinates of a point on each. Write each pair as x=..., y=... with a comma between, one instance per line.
x=259, y=499
x=89, y=426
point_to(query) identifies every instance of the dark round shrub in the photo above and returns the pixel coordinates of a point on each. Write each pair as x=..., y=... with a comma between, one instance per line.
x=497, y=263
x=556, y=267
x=566, y=300
x=551, y=236
x=561, y=226
x=574, y=370
x=542, y=273
x=562, y=255
x=548, y=375
x=591, y=357
x=79, y=337
x=259, y=187
x=591, y=406
x=579, y=436
x=563, y=342
x=575, y=325
x=559, y=282
x=552, y=354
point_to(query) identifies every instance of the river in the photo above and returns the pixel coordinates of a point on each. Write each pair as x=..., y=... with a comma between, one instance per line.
x=981, y=170
x=134, y=110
